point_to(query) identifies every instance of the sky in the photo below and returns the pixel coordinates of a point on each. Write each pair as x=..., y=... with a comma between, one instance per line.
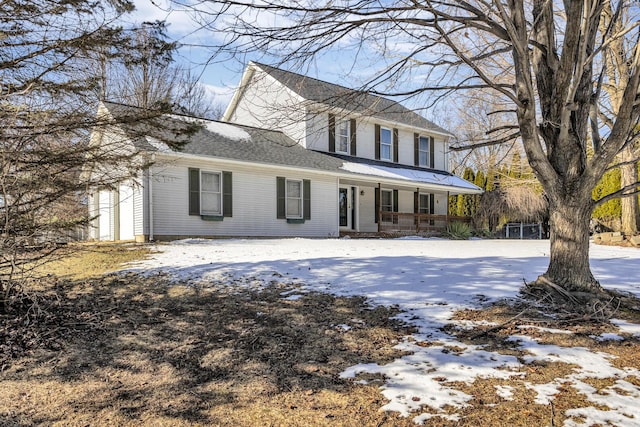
x=220, y=79
x=220, y=75
x=429, y=279
x=348, y=64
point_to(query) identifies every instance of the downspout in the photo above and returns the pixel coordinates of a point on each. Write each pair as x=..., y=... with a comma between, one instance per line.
x=150, y=175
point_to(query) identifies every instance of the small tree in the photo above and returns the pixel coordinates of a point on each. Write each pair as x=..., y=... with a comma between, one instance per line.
x=47, y=160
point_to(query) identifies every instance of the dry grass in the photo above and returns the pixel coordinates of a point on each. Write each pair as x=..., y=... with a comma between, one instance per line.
x=134, y=351
x=84, y=261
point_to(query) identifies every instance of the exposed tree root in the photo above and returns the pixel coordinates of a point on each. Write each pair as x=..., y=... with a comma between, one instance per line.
x=599, y=306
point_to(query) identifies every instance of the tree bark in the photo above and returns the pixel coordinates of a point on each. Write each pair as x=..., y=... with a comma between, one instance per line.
x=629, y=205
x=569, y=238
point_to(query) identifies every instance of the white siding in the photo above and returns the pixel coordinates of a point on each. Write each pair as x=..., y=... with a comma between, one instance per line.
x=254, y=203
x=365, y=138
x=439, y=157
x=440, y=204
x=105, y=212
x=126, y=211
x=366, y=210
x=317, y=131
x=268, y=104
x=138, y=210
x=93, y=212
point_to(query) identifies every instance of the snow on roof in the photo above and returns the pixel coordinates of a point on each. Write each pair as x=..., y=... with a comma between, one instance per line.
x=227, y=130
x=426, y=177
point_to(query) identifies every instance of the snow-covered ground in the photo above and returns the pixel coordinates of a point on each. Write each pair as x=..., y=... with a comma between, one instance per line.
x=429, y=279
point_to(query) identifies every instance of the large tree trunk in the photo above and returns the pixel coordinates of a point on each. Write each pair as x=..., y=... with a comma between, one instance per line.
x=629, y=205
x=569, y=254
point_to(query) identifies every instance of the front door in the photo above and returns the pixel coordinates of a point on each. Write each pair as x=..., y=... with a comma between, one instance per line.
x=346, y=204
x=343, y=207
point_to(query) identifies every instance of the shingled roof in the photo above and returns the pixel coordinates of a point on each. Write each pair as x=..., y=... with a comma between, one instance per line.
x=349, y=99
x=221, y=140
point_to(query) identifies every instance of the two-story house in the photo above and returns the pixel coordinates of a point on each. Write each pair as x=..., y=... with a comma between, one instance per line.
x=293, y=156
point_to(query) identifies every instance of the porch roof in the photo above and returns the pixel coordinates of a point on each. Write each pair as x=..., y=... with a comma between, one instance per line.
x=410, y=176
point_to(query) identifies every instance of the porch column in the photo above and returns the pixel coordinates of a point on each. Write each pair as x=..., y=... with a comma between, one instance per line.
x=418, y=210
x=446, y=218
x=379, y=207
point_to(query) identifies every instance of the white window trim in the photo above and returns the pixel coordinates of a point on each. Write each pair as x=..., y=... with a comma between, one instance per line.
x=210, y=213
x=339, y=136
x=286, y=198
x=427, y=151
x=390, y=143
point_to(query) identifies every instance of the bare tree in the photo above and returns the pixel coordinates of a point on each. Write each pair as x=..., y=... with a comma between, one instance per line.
x=618, y=71
x=48, y=161
x=149, y=78
x=545, y=57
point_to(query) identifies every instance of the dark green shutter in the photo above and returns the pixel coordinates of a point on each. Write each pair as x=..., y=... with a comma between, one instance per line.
x=431, y=153
x=395, y=206
x=395, y=145
x=306, y=199
x=377, y=204
x=227, y=194
x=352, y=127
x=332, y=133
x=431, y=207
x=416, y=149
x=281, y=198
x=194, y=191
x=377, y=140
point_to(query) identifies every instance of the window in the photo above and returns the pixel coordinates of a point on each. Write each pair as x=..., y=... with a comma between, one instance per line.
x=423, y=207
x=210, y=193
x=423, y=152
x=343, y=137
x=386, y=200
x=385, y=143
x=294, y=199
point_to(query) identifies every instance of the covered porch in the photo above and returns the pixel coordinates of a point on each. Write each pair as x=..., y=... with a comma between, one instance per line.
x=410, y=223
x=380, y=208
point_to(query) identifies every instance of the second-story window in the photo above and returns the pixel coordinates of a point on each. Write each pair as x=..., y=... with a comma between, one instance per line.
x=385, y=144
x=423, y=152
x=343, y=137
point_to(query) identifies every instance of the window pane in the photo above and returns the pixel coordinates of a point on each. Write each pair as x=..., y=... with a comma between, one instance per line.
x=424, y=144
x=210, y=182
x=210, y=203
x=294, y=208
x=423, y=158
x=294, y=199
x=210, y=197
x=385, y=152
x=294, y=189
x=385, y=136
x=424, y=203
x=343, y=137
x=386, y=200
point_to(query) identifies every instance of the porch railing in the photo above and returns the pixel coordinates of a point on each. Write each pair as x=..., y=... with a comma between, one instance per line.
x=410, y=222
